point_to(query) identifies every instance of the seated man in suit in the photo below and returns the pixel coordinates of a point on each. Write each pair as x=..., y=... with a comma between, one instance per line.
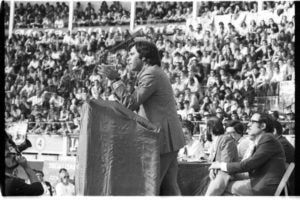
x=236, y=129
x=265, y=166
x=223, y=150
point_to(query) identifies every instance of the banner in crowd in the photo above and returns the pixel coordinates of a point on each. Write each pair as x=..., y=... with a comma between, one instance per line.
x=161, y=26
x=35, y=31
x=268, y=103
x=98, y=29
x=47, y=144
x=118, y=152
x=72, y=144
x=287, y=94
x=62, y=31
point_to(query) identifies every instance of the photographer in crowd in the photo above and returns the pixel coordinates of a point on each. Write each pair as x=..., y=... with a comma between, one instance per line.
x=15, y=186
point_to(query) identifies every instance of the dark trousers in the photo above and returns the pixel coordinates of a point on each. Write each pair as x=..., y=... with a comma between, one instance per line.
x=168, y=174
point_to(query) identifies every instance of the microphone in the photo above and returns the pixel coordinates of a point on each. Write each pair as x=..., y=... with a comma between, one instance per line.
x=126, y=43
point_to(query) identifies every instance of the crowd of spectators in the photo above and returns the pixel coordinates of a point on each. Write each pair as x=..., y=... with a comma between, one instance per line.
x=210, y=8
x=226, y=7
x=225, y=69
x=48, y=77
x=162, y=12
x=114, y=14
x=41, y=15
x=278, y=6
x=216, y=71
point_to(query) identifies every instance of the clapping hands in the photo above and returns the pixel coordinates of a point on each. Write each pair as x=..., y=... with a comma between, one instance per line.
x=109, y=72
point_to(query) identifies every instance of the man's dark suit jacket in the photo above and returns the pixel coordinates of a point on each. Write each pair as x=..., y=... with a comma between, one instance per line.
x=266, y=166
x=288, y=148
x=226, y=150
x=155, y=100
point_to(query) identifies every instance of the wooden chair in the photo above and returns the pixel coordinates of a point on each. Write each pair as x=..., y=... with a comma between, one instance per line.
x=283, y=183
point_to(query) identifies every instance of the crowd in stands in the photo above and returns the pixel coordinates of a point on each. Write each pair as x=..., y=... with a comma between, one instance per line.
x=162, y=12
x=47, y=78
x=47, y=15
x=114, y=14
x=219, y=70
x=233, y=65
x=226, y=7
x=278, y=6
x=234, y=7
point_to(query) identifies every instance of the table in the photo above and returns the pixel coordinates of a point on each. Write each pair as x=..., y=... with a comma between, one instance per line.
x=193, y=178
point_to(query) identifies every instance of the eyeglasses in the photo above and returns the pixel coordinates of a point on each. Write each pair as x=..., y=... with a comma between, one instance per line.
x=230, y=132
x=254, y=121
x=66, y=177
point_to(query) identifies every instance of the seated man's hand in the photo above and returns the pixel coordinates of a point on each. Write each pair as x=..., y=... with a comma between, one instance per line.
x=212, y=173
x=215, y=165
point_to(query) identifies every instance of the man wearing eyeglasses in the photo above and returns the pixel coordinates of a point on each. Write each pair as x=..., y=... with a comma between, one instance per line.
x=266, y=164
x=64, y=187
x=15, y=186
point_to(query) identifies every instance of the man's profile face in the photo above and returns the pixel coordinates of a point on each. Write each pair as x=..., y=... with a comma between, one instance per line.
x=230, y=130
x=254, y=126
x=134, y=61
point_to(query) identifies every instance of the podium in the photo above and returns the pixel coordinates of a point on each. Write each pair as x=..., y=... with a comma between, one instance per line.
x=118, y=152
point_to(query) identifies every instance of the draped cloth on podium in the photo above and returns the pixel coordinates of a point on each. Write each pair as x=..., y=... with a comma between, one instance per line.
x=118, y=152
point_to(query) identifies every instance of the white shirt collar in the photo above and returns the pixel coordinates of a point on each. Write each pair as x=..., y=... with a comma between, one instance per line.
x=257, y=139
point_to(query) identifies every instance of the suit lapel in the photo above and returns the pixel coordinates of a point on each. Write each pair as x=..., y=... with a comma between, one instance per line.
x=216, y=147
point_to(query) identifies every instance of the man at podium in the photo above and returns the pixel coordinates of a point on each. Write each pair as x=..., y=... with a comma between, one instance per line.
x=154, y=100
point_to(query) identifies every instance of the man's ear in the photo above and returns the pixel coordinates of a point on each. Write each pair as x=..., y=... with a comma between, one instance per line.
x=263, y=126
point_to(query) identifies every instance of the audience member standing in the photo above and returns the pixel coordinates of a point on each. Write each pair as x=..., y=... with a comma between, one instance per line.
x=64, y=187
